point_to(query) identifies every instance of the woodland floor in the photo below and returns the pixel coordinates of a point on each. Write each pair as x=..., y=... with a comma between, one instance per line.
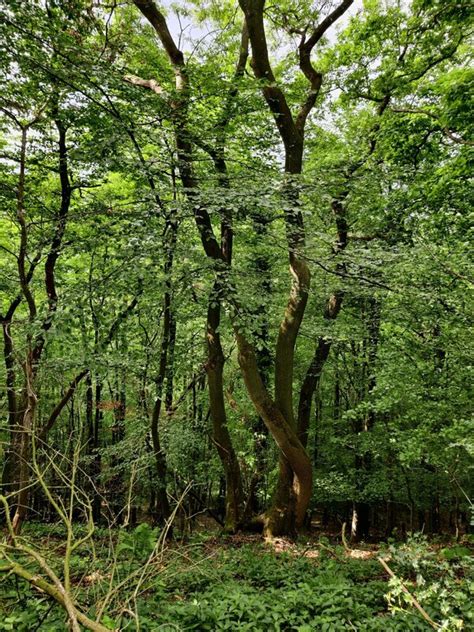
x=212, y=582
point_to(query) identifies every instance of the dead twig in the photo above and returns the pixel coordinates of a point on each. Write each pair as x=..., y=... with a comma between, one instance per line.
x=417, y=605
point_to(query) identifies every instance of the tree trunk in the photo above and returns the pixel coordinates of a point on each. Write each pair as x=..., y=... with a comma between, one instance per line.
x=363, y=462
x=167, y=340
x=220, y=433
x=281, y=517
x=9, y=462
x=96, y=464
x=24, y=432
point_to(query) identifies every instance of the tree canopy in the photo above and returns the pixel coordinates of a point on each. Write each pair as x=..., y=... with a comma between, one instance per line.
x=234, y=243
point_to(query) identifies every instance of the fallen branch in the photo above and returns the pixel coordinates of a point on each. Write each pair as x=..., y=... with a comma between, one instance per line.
x=420, y=608
x=61, y=597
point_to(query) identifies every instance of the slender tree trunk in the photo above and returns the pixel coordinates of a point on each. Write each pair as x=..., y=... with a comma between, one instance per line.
x=331, y=312
x=318, y=416
x=220, y=433
x=165, y=368
x=363, y=462
x=262, y=269
x=25, y=429
x=94, y=445
x=9, y=462
x=35, y=343
x=310, y=386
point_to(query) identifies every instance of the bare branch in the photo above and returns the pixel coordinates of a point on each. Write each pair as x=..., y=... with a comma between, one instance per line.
x=151, y=84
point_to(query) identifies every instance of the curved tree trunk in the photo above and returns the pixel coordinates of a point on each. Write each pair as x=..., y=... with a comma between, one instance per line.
x=286, y=439
x=25, y=414
x=287, y=513
x=294, y=486
x=219, y=253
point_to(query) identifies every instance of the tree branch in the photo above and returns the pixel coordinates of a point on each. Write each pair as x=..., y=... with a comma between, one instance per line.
x=183, y=143
x=431, y=115
x=151, y=84
x=314, y=77
x=61, y=404
x=253, y=11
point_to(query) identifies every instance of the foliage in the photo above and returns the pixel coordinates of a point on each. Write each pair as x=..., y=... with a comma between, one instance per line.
x=212, y=584
x=443, y=581
x=151, y=199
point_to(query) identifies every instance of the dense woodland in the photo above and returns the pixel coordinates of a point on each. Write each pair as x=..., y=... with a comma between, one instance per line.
x=236, y=298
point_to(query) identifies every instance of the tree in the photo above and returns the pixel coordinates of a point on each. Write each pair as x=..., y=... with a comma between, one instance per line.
x=164, y=189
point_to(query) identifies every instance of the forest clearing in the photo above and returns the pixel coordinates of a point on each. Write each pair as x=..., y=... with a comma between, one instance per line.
x=236, y=301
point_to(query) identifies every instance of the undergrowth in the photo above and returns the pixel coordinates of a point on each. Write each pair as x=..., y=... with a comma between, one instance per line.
x=241, y=584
